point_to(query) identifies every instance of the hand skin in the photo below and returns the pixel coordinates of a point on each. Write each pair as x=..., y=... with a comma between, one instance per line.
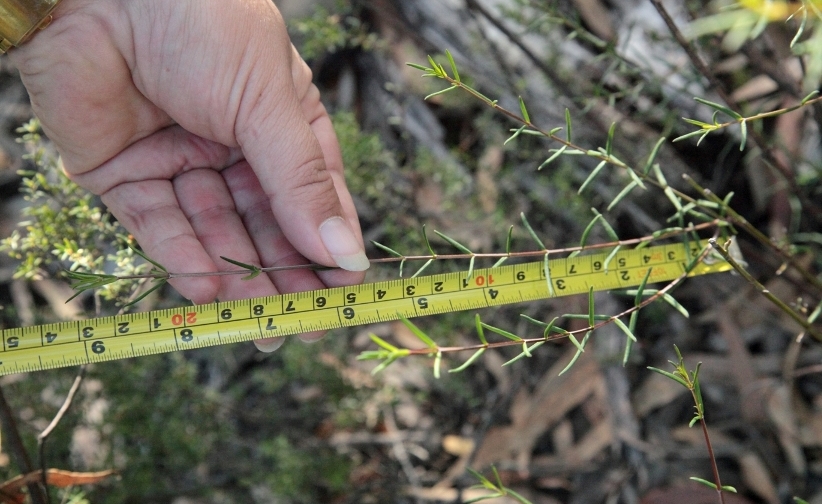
x=197, y=123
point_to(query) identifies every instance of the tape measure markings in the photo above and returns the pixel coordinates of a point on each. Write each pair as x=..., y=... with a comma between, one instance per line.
x=137, y=334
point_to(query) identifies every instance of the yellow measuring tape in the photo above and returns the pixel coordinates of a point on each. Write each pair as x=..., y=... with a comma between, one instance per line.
x=73, y=343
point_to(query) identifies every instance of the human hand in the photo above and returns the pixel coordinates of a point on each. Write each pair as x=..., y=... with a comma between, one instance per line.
x=197, y=123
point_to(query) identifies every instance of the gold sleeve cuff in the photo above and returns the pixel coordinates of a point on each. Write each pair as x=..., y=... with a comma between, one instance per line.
x=19, y=19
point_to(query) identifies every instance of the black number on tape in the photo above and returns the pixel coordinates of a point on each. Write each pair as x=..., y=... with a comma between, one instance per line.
x=98, y=347
x=187, y=335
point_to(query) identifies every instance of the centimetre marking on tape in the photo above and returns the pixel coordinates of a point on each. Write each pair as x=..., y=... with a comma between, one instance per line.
x=63, y=344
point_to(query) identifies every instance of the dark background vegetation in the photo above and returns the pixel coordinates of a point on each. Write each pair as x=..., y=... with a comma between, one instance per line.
x=310, y=424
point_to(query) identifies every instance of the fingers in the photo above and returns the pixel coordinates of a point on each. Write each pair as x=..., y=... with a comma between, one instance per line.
x=273, y=247
x=160, y=156
x=205, y=201
x=149, y=209
x=290, y=163
x=136, y=187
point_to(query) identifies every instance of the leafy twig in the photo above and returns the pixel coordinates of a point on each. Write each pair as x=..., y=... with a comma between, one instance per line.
x=690, y=380
x=799, y=319
x=82, y=281
x=389, y=353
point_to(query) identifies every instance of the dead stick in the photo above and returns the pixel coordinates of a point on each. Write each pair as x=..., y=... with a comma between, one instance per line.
x=41, y=439
x=18, y=451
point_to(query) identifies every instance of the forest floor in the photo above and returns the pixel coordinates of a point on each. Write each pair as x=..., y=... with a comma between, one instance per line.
x=311, y=423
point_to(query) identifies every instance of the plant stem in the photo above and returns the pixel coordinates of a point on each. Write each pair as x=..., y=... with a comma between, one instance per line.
x=734, y=216
x=767, y=151
x=799, y=319
x=743, y=223
x=500, y=344
x=425, y=257
x=711, y=455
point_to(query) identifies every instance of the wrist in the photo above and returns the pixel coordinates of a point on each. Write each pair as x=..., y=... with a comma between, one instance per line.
x=19, y=19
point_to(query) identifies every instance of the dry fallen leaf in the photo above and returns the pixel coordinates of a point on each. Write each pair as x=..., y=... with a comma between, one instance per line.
x=532, y=414
x=12, y=490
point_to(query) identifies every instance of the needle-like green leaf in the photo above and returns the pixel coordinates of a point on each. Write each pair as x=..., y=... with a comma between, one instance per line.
x=422, y=268
x=576, y=355
x=480, y=331
x=608, y=229
x=255, y=270
x=591, y=314
x=524, y=110
x=384, y=344
x=147, y=258
x=459, y=246
x=502, y=332
x=557, y=153
x=441, y=91
x=453, y=65
x=704, y=482
x=609, y=143
x=418, y=67
x=516, y=133
x=418, y=333
x=427, y=243
x=592, y=176
x=531, y=231
x=523, y=354
x=470, y=361
x=546, y=268
x=610, y=257
x=619, y=323
x=501, y=260
x=652, y=156
x=641, y=289
x=588, y=228
x=619, y=197
x=672, y=376
x=159, y=282
x=386, y=249
x=718, y=107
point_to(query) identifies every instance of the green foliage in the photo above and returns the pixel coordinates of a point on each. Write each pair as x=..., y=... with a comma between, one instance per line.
x=65, y=227
x=495, y=488
x=375, y=176
x=689, y=380
x=325, y=32
x=739, y=22
x=300, y=478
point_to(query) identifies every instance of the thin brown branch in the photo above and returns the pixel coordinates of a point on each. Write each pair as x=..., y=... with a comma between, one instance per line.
x=711, y=455
x=716, y=85
x=743, y=223
x=18, y=450
x=798, y=318
x=43, y=436
x=425, y=257
x=732, y=215
x=500, y=344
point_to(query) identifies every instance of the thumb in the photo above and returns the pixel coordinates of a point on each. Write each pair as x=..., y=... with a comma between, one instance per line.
x=293, y=169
